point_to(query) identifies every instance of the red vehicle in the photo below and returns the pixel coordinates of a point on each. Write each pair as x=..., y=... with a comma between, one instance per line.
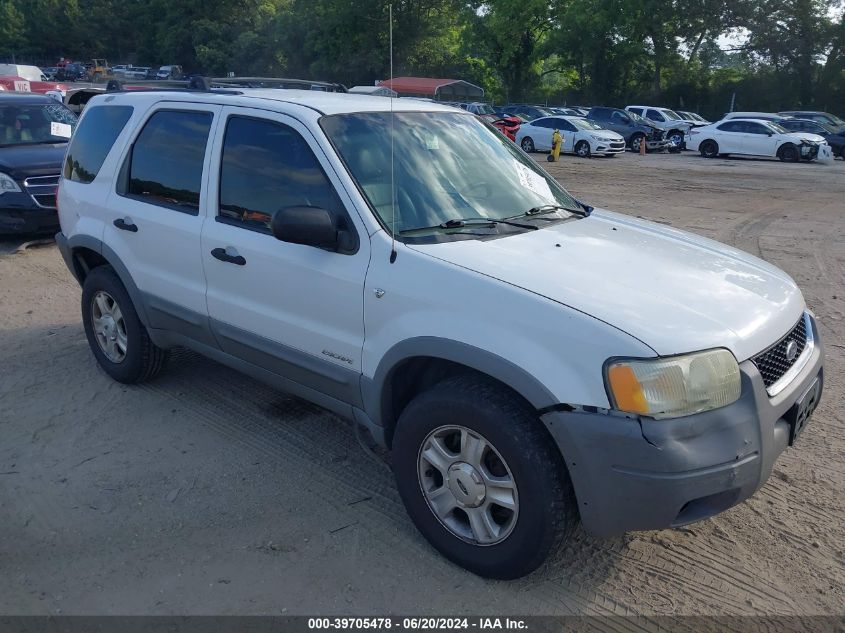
x=507, y=124
x=20, y=84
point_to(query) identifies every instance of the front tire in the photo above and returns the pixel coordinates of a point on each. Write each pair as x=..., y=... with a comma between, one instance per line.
x=118, y=339
x=788, y=153
x=582, y=149
x=636, y=141
x=709, y=149
x=481, y=479
x=527, y=145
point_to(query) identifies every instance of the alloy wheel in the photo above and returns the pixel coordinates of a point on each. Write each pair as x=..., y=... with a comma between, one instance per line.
x=109, y=326
x=468, y=485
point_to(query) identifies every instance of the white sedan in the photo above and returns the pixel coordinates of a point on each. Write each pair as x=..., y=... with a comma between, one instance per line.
x=580, y=136
x=754, y=137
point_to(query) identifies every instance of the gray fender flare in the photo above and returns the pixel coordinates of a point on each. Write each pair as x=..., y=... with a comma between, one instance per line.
x=375, y=392
x=92, y=243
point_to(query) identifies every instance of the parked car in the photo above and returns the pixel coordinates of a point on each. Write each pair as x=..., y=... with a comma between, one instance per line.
x=831, y=120
x=50, y=72
x=836, y=141
x=77, y=98
x=477, y=107
x=119, y=70
x=676, y=127
x=30, y=73
x=527, y=112
x=527, y=358
x=754, y=137
x=136, y=72
x=566, y=111
x=580, y=136
x=758, y=116
x=507, y=125
x=696, y=119
x=169, y=72
x=20, y=84
x=34, y=131
x=633, y=128
x=71, y=72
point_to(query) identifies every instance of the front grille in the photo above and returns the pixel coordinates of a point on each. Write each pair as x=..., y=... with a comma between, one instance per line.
x=43, y=190
x=773, y=363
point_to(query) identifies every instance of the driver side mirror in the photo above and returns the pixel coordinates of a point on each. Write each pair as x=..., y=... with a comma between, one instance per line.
x=310, y=226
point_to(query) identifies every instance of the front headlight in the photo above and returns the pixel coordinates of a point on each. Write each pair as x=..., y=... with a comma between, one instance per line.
x=673, y=387
x=8, y=184
x=601, y=138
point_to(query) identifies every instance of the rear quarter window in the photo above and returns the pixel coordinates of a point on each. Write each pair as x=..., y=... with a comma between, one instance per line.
x=93, y=140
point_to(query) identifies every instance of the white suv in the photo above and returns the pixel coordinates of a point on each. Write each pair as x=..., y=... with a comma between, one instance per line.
x=528, y=360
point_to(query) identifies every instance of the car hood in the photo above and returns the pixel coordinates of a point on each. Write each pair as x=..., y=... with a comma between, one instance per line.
x=806, y=136
x=674, y=291
x=604, y=134
x=23, y=161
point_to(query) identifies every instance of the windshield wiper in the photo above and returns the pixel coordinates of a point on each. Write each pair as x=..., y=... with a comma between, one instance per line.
x=544, y=209
x=459, y=223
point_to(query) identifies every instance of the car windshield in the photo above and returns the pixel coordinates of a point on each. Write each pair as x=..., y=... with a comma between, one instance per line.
x=671, y=114
x=835, y=120
x=447, y=166
x=636, y=117
x=777, y=128
x=34, y=124
x=584, y=124
x=485, y=109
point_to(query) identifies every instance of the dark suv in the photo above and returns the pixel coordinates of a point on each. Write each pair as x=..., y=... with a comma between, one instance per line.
x=633, y=127
x=830, y=120
x=834, y=139
x=34, y=132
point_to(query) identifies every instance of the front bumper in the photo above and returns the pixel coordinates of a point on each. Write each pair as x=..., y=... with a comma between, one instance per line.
x=20, y=214
x=643, y=474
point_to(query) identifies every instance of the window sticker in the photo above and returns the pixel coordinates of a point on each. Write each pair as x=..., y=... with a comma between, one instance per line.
x=60, y=129
x=534, y=182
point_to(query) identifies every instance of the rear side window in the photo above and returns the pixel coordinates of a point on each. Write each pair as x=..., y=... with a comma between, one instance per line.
x=92, y=141
x=730, y=126
x=165, y=166
x=267, y=166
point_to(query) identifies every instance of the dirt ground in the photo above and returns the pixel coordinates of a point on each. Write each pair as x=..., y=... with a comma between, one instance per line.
x=207, y=493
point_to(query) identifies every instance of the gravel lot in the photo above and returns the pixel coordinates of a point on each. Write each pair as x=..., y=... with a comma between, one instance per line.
x=207, y=493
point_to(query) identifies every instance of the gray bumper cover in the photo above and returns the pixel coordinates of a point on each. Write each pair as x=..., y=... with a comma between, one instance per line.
x=644, y=474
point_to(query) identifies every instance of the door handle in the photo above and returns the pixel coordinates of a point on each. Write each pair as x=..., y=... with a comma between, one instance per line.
x=223, y=256
x=126, y=225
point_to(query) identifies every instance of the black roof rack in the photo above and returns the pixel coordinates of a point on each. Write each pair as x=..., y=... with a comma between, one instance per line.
x=206, y=84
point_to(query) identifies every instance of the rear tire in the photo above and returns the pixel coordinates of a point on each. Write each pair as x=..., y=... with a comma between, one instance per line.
x=441, y=426
x=709, y=149
x=118, y=339
x=788, y=153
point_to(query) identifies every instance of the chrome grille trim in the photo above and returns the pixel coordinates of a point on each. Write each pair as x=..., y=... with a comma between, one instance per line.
x=798, y=364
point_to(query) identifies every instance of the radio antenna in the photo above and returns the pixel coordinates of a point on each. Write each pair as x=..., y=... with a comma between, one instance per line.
x=392, y=176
